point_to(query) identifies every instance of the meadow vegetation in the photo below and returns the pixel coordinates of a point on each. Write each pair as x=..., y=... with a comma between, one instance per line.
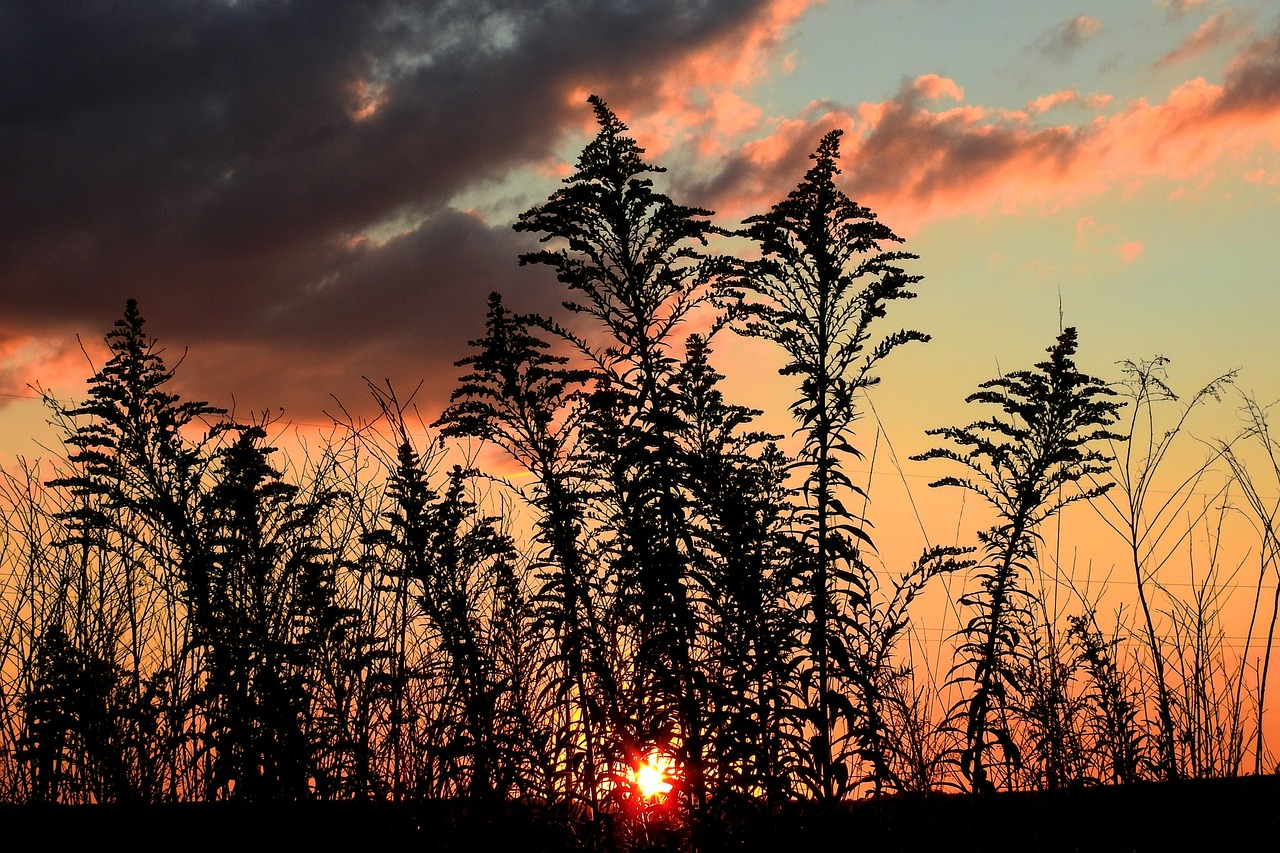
x=187, y=614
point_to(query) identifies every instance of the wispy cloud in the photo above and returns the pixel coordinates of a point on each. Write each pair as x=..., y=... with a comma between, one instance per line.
x=1222, y=27
x=1130, y=251
x=912, y=161
x=1063, y=97
x=1176, y=9
x=1064, y=40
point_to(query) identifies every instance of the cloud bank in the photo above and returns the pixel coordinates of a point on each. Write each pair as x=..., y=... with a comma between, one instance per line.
x=277, y=183
x=279, y=175
x=921, y=155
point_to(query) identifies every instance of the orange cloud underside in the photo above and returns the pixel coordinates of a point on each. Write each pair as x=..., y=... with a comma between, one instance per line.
x=701, y=100
x=56, y=362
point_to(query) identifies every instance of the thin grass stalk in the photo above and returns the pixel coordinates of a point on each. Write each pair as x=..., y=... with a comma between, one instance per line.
x=1141, y=458
x=1264, y=518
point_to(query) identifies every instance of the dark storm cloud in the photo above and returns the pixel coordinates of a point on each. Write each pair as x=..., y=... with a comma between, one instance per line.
x=216, y=159
x=403, y=311
x=427, y=287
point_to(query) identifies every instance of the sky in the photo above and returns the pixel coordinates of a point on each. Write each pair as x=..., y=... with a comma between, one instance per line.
x=301, y=195
x=304, y=194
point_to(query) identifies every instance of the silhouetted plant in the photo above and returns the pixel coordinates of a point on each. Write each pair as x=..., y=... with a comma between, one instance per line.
x=65, y=617
x=883, y=684
x=133, y=477
x=1265, y=514
x=1206, y=699
x=822, y=283
x=522, y=398
x=1115, y=727
x=452, y=555
x=743, y=560
x=920, y=747
x=262, y=607
x=78, y=712
x=1050, y=709
x=1023, y=466
x=633, y=260
x=1147, y=525
x=352, y=694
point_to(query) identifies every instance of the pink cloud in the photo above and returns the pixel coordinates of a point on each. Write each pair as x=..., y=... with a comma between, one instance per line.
x=933, y=86
x=912, y=163
x=1093, y=238
x=1262, y=176
x=1044, y=103
x=1178, y=8
x=1130, y=251
x=698, y=101
x=1218, y=29
x=56, y=358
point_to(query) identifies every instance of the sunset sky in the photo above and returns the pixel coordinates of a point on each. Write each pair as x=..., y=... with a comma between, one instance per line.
x=302, y=194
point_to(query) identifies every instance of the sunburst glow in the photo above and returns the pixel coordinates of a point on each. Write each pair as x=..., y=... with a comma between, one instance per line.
x=651, y=776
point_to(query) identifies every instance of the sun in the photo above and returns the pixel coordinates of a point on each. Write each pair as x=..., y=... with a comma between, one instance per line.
x=650, y=776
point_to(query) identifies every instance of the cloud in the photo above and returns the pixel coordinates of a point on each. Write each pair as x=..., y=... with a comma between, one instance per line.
x=912, y=162
x=934, y=87
x=61, y=363
x=276, y=183
x=1220, y=28
x=222, y=161
x=1176, y=9
x=698, y=102
x=1063, y=97
x=1130, y=251
x=1252, y=79
x=1062, y=42
x=1262, y=176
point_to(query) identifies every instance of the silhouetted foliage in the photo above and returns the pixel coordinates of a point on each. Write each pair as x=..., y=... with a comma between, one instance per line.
x=1117, y=733
x=818, y=290
x=86, y=730
x=136, y=467
x=453, y=556
x=189, y=614
x=1042, y=456
x=743, y=562
x=262, y=607
x=131, y=455
x=632, y=258
x=523, y=398
x=1142, y=521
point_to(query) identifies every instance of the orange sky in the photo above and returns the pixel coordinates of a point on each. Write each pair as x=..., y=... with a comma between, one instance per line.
x=301, y=198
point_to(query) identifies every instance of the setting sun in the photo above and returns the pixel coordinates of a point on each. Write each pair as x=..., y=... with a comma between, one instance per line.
x=651, y=777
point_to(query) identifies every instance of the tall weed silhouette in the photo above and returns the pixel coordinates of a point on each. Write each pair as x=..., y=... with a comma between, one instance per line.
x=1043, y=455
x=633, y=261
x=819, y=290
